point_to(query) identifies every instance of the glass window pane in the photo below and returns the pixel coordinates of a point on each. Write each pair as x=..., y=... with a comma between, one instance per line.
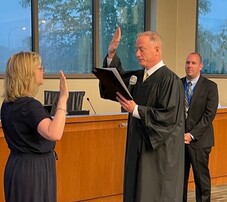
x=211, y=36
x=15, y=32
x=65, y=36
x=129, y=15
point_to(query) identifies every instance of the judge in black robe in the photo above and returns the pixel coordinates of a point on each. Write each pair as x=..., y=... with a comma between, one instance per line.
x=154, y=160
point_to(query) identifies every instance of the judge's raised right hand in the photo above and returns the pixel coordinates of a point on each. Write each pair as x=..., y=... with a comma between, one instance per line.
x=114, y=43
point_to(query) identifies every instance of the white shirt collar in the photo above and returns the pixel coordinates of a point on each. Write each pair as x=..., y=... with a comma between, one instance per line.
x=193, y=81
x=155, y=68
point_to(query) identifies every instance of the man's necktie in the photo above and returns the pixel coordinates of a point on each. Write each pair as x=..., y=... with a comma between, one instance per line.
x=145, y=76
x=188, y=95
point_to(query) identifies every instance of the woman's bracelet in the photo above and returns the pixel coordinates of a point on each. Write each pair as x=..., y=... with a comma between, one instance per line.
x=59, y=108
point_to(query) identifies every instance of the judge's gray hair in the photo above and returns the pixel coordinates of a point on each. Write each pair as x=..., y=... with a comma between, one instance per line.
x=154, y=36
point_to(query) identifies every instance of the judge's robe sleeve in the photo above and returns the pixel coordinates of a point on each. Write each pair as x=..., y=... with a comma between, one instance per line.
x=166, y=118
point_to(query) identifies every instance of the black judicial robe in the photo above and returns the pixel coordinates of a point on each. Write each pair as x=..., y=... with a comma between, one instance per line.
x=154, y=160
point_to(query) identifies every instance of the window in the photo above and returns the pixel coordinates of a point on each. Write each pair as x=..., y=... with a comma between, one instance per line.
x=129, y=15
x=15, y=32
x=70, y=35
x=211, y=35
x=65, y=36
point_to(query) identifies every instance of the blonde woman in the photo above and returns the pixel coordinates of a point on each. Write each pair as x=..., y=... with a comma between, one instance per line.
x=30, y=132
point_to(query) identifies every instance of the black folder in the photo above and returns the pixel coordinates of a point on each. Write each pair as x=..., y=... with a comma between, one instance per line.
x=112, y=81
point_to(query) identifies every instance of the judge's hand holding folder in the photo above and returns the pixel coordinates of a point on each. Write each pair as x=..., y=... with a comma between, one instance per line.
x=115, y=87
x=113, y=83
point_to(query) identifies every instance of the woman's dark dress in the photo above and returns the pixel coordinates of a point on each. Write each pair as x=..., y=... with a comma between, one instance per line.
x=30, y=172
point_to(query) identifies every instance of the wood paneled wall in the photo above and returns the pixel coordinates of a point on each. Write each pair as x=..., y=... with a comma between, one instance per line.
x=218, y=156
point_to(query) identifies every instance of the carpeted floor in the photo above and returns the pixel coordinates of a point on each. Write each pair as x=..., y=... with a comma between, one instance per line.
x=218, y=194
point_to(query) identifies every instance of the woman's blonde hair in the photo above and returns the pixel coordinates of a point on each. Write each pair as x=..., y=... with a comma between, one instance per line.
x=20, y=76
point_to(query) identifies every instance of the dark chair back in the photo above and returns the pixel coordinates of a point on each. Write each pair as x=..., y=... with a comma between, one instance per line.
x=74, y=102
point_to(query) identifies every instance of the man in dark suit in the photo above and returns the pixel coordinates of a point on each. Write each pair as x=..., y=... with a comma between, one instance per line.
x=201, y=102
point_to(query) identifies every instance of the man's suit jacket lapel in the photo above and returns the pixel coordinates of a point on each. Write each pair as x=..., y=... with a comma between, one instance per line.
x=198, y=88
